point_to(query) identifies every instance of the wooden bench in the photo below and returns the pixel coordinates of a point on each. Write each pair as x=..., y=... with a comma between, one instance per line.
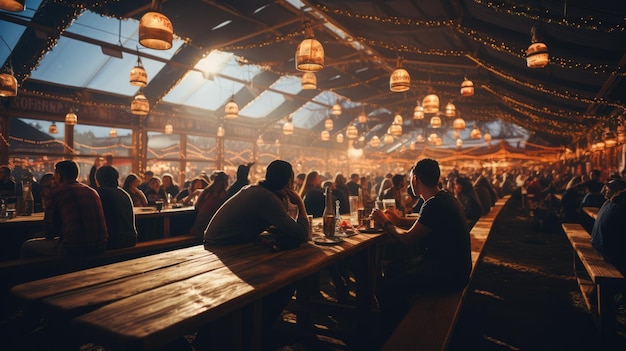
x=597, y=279
x=431, y=320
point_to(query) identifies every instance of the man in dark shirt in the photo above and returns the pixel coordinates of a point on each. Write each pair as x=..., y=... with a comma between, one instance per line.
x=74, y=220
x=354, y=184
x=434, y=254
x=7, y=184
x=118, y=209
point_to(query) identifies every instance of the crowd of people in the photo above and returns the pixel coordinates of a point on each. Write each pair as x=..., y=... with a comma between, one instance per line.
x=428, y=252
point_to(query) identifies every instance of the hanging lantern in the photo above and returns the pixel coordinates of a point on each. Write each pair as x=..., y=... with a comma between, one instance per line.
x=399, y=81
x=610, y=138
x=362, y=118
x=260, y=141
x=395, y=129
x=439, y=141
x=412, y=146
x=600, y=145
x=113, y=133
x=420, y=138
x=288, y=128
x=325, y=136
x=309, y=81
x=336, y=110
x=310, y=52
x=138, y=75
x=155, y=29
x=221, y=132
x=450, y=110
x=432, y=138
x=231, y=109
x=351, y=132
x=458, y=124
x=8, y=82
x=397, y=119
x=467, y=88
x=435, y=122
x=475, y=133
x=328, y=124
x=13, y=5
x=388, y=139
x=375, y=141
x=140, y=105
x=431, y=103
x=53, y=128
x=418, y=113
x=621, y=133
x=339, y=138
x=459, y=143
x=169, y=129
x=487, y=137
x=537, y=54
x=70, y=118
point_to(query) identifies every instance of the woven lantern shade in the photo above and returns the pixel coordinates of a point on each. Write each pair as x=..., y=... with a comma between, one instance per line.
x=458, y=124
x=467, y=88
x=475, y=133
x=8, y=82
x=113, y=133
x=231, y=109
x=420, y=139
x=388, y=139
x=339, y=138
x=459, y=143
x=450, y=110
x=12, y=5
x=53, y=128
x=487, y=137
x=537, y=54
x=336, y=110
x=418, y=113
x=397, y=119
x=70, y=118
x=395, y=129
x=431, y=103
x=309, y=53
x=140, y=105
x=309, y=81
x=328, y=124
x=155, y=29
x=435, y=122
x=325, y=135
x=375, y=141
x=400, y=80
x=432, y=138
x=138, y=75
x=288, y=128
x=351, y=132
x=169, y=129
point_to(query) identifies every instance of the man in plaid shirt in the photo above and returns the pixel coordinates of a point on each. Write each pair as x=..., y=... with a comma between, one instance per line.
x=74, y=221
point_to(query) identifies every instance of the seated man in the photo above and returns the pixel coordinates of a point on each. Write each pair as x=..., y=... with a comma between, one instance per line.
x=118, y=209
x=607, y=235
x=74, y=220
x=432, y=256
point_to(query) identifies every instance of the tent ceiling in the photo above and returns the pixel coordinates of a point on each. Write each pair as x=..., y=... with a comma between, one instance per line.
x=441, y=43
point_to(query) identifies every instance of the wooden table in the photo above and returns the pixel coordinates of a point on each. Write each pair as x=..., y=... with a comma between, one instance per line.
x=591, y=212
x=147, y=302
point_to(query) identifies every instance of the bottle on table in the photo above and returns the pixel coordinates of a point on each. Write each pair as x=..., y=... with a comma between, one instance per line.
x=328, y=217
x=29, y=200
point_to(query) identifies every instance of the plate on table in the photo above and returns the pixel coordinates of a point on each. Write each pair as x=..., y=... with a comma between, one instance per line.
x=322, y=240
x=146, y=209
x=371, y=231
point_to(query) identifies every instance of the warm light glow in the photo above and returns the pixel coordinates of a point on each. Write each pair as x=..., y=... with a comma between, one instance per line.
x=8, y=82
x=435, y=122
x=375, y=141
x=231, y=109
x=339, y=138
x=475, y=133
x=169, y=129
x=397, y=119
x=12, y=5
x=420, y=138
x=155, y=30
x=400, y=80
x=388, y=139
x=610, y=138
x=458, y=124
x=487, y=137
x=71, y=118
x=138, y=75
x=431, y=103
x=467, y=88
x=418, y=113
x=113, y=133
x=450, y=110
x=325, y=136
x=309, y=81
x=336, y=110
x=260, y=141
x=395, y=129
x=140, y=105
x=351, y=132
x=537, y=55
x=309, y=53
x=53, y=128
x=221, y=132
x=459, y=143
x=328, y=124
x=362, y=118
x=288, y=128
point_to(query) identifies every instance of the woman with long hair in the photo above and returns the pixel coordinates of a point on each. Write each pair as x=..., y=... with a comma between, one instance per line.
x=131, y=183
x=211, y=198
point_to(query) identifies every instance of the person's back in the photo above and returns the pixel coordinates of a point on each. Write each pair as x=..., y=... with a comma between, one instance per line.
x=118, y=209
x=608, y=235
x=74, y=220
x=484, y=197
